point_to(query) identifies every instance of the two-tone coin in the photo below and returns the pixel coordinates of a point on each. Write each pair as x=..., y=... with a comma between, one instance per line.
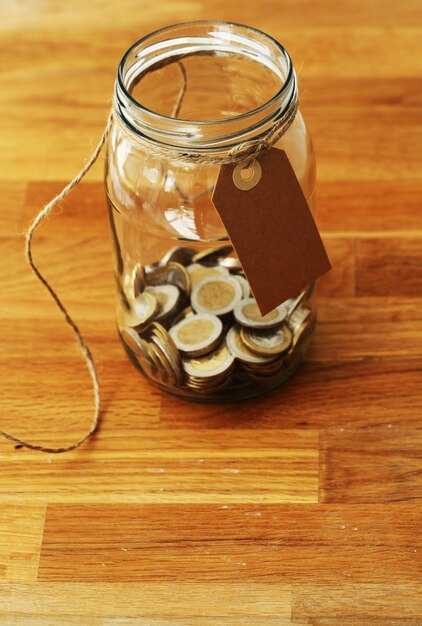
x=269, y=341
x=168, y=353
x=246, y=290
x=248, y=314
x=184, y=313
x=171, y=274
x=298, y=318
x=137, y=279
x=179, y=254
x=241, y=351
x=167, y=297
x=216, y=295
x=145, y=307
x=198, y=334
x=198, y=272
x=212, y=255
x=214, y=364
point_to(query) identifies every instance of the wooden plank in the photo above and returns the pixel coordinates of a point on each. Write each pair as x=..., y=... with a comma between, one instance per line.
x=13, y=195
x=366, y=206
x=371, y=465
x=44, y=18
x=369, y=309
x=68, y=620
x=160, y=599
x=320, y=394
x=128, y=464
x=289, y=543
x=386, y=604
x=21, y=529
x=389, y=268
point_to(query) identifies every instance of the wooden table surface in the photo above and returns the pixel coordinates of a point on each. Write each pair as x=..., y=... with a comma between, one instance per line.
x=302, y=507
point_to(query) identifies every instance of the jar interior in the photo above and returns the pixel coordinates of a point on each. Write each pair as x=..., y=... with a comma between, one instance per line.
x=184, y=91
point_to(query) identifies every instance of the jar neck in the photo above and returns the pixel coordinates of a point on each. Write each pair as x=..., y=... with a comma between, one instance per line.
x=222, y=39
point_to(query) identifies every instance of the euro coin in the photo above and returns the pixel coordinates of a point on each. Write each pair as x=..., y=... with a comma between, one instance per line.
x=137, y=281
x=241, y=351
x=198, y=334
x=247, y=313
x=145, y=307
x=246, y=291
x=179, y=254
x=232, y=263
x=171, y=274
x=184, y=313
x=299, y=317
x=198, y=272
x=215, y=363
x=267, y=342
x=216, y=295
x=211, y=255
x=167, y=297
x=163, y=339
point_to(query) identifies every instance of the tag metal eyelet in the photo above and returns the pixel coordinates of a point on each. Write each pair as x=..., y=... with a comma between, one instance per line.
x=247, y=177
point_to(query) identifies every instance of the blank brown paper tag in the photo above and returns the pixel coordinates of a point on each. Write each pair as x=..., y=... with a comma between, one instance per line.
x=272, y=230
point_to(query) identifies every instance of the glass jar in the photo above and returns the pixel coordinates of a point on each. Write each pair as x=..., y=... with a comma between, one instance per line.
x=184, y=310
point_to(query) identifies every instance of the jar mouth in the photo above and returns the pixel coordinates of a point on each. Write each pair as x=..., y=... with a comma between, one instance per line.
x=200, y=38
x=169, y=29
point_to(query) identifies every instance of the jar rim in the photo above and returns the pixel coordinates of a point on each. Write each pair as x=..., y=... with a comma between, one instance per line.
x=204, y=123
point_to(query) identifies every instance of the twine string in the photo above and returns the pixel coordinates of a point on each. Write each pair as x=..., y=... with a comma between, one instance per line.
x=86, y=352
x=245, y=153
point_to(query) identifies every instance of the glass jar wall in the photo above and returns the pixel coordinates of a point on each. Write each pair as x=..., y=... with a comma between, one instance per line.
x=185, y=312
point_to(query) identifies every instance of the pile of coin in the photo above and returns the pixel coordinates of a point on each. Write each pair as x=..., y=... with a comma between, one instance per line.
x=192, y=324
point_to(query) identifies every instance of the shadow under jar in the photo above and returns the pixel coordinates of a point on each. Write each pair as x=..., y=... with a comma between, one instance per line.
x=185, y=312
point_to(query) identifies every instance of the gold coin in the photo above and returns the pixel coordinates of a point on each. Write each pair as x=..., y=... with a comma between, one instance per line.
x=212, y=364
x=144, y=307
x=171, y=274
x=179, y=254
x=247, y=313
x=270, y=341
x=198, y=272
x=198, y=334
x=167, y=297
x=216, y=295
x=211, y=255
x=241, y=351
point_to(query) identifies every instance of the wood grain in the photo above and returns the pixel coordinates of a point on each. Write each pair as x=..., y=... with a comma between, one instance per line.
x=301, y=507
x=392, y=471
x=131, y=464
x=244, y=543
x=145, y=600
x=21, y=531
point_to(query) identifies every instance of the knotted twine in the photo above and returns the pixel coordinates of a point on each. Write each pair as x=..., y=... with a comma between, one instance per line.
x=244, y=153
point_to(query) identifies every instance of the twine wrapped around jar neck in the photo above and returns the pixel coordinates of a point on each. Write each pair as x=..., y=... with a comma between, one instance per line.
x=245, y=151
